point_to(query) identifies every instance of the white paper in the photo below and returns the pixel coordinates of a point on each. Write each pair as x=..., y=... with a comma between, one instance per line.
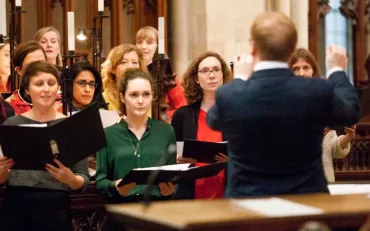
x=175, y=167
x=34, y=125
x=18, y=2
x=101, y=5
x=180, y=147
x=3, y=17
x=276, y=207
x=71, y=30
x=160, y=35
x=109, y=118
x=344, y=189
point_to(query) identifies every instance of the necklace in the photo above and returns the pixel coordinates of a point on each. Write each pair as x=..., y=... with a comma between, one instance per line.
x=132, y=143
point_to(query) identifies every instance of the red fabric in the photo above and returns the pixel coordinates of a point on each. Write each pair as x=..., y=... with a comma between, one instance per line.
x=211, y=187
x=175, y=98
x=21, y=106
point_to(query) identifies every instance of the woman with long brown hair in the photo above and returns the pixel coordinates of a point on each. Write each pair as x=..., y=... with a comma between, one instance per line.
x=303, y=63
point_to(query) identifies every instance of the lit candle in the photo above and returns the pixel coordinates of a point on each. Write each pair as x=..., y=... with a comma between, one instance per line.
x=71, y=31
x=101, y=5
x=3, y=17
x=160, y=35
x=18, y=3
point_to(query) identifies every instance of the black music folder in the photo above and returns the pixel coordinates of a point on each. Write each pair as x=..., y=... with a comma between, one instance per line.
x=172, y=173
x=202, y=151
x=68, y=140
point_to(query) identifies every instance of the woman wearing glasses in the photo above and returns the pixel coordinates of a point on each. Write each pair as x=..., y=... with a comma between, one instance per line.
x=87, y=84
x=206, y=73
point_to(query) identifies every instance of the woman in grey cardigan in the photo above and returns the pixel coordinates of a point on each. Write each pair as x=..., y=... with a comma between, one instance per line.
x=39, y=199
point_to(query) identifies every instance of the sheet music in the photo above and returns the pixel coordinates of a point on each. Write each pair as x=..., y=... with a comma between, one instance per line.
x=109, y=118
x=344, y=189
x=34, y=125
x=175, y=167
x=180, y=147
x=276, y=207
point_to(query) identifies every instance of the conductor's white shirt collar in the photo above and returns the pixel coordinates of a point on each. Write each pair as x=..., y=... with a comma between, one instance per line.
x=264, y=65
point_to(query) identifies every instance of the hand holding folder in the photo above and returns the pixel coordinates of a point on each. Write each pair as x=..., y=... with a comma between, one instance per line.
x=68, y=140
x=172, y=173
x=204, y=152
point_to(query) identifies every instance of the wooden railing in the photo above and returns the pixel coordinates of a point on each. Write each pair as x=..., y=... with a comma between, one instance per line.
x=356, y=166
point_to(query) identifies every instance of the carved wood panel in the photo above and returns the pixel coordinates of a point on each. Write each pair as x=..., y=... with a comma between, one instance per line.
x=357, y=11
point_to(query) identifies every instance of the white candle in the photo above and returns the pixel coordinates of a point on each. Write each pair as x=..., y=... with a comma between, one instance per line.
x=3, y=17
x=101, y=5
x=18, y=2
x=160, y=35
x=71, y=31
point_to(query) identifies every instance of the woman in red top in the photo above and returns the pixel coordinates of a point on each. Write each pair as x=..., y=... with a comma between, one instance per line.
x=24, y=54
x=147, y=41
x=206, y=73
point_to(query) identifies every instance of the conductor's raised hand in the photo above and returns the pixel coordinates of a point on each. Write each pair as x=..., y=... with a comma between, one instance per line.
x=61, y=173
x=166, y=189
x=243, y=66
x=336, y=57
x=124, y=189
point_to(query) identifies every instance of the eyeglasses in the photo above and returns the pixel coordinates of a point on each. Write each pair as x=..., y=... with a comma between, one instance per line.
x=207, y=72
x=83, y=84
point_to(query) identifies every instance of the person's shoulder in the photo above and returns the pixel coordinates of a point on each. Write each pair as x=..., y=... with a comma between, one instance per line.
x=315, y=81
x=160, y=126
x=14, y=120
x=184, y=109
x=110, y=130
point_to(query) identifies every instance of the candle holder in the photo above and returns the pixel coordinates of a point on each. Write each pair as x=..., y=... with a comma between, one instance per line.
x=14, y=37
x=164, y=80
x=67, y=92
x=232, y=67
x=97, y=40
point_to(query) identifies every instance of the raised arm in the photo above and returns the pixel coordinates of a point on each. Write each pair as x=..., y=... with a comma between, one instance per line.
x=345, y=107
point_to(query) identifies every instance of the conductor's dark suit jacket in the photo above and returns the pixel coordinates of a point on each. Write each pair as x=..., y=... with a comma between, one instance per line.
x=274, y=123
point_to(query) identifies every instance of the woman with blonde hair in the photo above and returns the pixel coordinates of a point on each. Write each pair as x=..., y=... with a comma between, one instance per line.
x=147, y=41
x=120, y=59
x=49, y=38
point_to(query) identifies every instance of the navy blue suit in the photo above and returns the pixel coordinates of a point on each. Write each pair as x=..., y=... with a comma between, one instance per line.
x=274, y=123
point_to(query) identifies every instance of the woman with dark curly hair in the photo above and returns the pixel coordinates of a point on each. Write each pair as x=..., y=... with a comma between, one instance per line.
x=206, y=73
